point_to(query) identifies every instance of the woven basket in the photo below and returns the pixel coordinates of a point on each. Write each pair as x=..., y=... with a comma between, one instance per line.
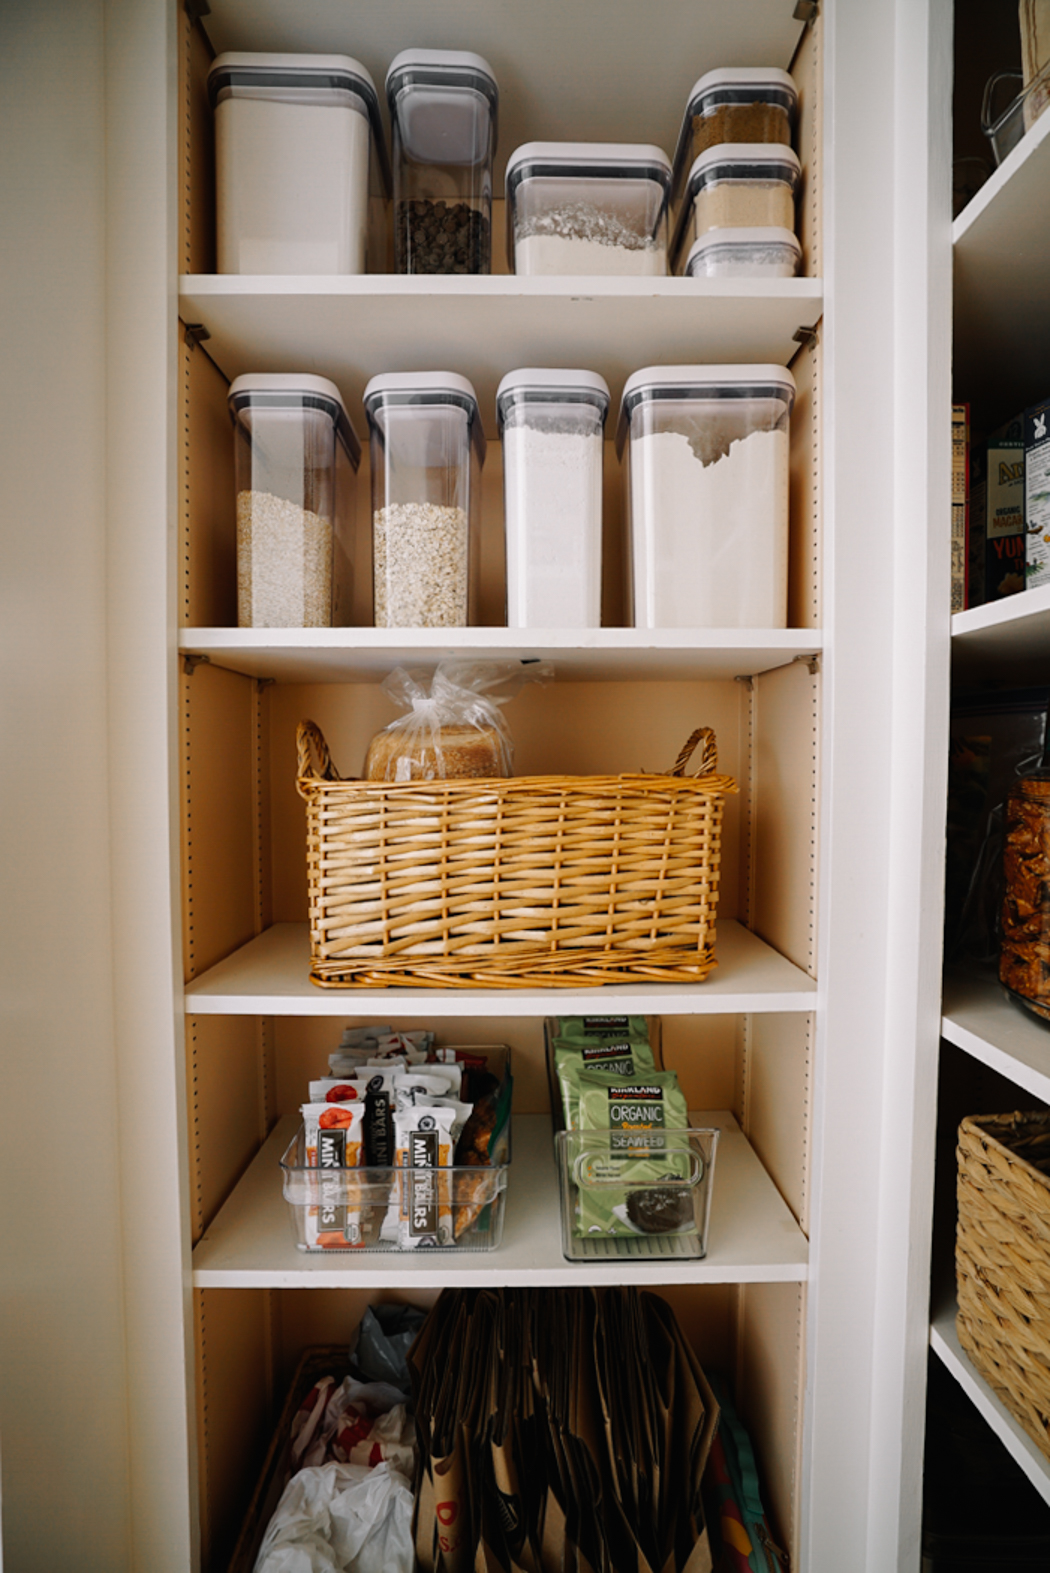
x=1002, y=1261
x=555, y=881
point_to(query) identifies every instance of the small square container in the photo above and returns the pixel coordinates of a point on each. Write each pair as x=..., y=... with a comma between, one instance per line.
x=744, y=254
x=635, y=1195
x=551, y=423
x=585, y=208
x=737, y=186
x=707, y=495
x=444, y=107
x=301, y=168
x=736, y=104
x=427, y=449
x=1009, y=109
x=296, y=456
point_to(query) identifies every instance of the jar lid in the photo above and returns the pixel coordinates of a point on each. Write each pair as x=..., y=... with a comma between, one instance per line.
x=423, y=388
x=660, y=384
x=600, y=160
x=734, y=85
x=551, y=385
x=441, y=68
x=284, y=391
x=305, y=73
x=744, y=161
x=763, y=237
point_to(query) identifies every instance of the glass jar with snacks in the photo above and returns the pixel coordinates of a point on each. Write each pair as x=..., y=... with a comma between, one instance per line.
x=707, y=494
x=427, y=449
x=296, y=456
x=552, y=423
x=736, y=186
x=588, y=208
x=299, y=146
x=1024, y=950
x=739, y=104
x=443, y=111
x=744, y=254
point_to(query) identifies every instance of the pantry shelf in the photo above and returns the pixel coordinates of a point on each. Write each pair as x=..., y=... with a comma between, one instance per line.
x=753, y=1237
x=980, y=1020
x=337, y=655
x=269, y=977
x=1002, y=307
x=944, y=1341
x=349, y=328
x=1005, y=639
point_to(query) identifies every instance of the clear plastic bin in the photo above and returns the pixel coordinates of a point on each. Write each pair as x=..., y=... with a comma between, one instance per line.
x=296, y=457
x=443, y=110
x=744, y=254
x=737, y=186
x=427, y=449
x=1009, y=109
x=584, y=208
x=639, y=1195
x=300, y=164
x=735, y=104
x=551, y=424
x=707, y=495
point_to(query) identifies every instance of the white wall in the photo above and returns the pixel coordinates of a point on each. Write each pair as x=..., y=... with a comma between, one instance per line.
x=63, y=1392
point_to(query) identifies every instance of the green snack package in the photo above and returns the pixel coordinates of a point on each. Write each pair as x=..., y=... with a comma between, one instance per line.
x=644, y=1118
x=613, y=1053
x=585, y=1029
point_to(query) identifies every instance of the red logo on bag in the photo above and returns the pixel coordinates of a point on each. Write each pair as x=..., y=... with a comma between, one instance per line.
x=447, y=1511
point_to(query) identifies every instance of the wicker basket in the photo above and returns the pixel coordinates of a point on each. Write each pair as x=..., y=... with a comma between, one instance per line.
x=1002, y=1261
x=556, y=881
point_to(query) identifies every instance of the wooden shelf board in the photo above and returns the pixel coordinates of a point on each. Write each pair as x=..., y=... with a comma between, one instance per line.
x=753, y=1236
x=979, y=1019
x=944, y=1341
x=349, y=328
x=341, y=655
x=1007, y=639
x=269, y=977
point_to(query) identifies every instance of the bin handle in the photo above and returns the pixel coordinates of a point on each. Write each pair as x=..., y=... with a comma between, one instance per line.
x=709, y=755
x=310, y=745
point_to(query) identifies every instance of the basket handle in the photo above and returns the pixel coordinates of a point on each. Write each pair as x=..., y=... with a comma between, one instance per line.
x=708, y=758
x=310, y=745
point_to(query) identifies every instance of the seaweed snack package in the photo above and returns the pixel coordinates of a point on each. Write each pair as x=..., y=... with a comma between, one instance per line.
x=642, y=1117
x=454, y=728
x=589, y=1029
x=333, y=1143
x=618, y=1045
x=424, y=1147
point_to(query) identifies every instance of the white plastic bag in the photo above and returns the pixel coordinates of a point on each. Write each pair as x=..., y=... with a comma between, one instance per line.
x=341, y=1518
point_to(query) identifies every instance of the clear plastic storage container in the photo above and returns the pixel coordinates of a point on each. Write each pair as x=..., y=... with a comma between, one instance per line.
x=443, y=111
x=639, y=1195
x=707, y=495
x=299, y=151
x=587, y=207
x=736, y=186
x=551, y=424
x=735, y=104
x=427, y=449
x=296, y=456
x=744, y=254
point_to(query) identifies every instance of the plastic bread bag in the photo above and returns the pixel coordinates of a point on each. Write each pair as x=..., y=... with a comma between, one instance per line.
x=333, y=1142
x=454, y=727
x=646, y=1121
x=424, y=1149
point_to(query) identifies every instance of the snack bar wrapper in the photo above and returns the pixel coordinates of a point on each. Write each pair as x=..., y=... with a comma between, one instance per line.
x=424, y=1149
x=333, y=1141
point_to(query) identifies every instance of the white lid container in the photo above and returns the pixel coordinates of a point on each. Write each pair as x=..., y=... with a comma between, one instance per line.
x=707, y=494
x=427, y=449
x=296, y=456
x=444, y=111
x=299, y=147
x=551, y=422
x=581, y=208
x=735, y=104
x=744, y=254
x=737, y=185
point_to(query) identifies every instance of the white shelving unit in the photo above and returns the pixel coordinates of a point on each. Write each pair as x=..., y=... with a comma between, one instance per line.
x=753, y=1237
x=979, y=1019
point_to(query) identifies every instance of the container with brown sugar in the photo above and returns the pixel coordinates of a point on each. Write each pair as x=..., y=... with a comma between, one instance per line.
x=1024, y=951
x=736, y=185
x=735, y=104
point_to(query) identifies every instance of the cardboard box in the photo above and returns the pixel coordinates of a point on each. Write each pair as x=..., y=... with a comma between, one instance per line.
x=1037, y=494
x=1004, y=561
x=960, y=478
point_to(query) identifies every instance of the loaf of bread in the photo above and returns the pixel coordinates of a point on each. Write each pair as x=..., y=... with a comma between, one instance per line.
x=440, y=754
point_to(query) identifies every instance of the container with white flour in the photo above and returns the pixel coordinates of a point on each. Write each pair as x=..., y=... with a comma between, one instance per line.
x=300, y=164
x=707, y=494
x=551, y=423
x=588, y=208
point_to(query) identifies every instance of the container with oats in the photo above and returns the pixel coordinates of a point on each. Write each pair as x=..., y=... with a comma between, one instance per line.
x=427, y=449
x=736, y=185
x=296, y=456
x=735, y=104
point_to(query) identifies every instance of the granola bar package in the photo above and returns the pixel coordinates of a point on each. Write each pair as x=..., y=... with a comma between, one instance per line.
x=433, y=1081
x=333, y=1142
x=424, y=1148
